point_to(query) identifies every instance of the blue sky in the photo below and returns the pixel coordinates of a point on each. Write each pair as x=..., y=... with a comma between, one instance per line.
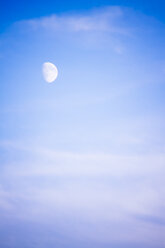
x=82, y=160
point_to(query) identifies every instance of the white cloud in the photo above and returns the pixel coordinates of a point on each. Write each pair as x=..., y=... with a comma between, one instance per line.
x=103, y=20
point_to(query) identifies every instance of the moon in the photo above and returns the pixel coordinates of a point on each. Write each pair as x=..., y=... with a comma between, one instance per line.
x=49, y=71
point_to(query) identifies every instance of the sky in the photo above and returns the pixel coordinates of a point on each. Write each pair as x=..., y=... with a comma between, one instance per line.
x=82, y=160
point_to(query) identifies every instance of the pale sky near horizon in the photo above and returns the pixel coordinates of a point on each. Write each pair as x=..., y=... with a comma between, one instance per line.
x=82, y=160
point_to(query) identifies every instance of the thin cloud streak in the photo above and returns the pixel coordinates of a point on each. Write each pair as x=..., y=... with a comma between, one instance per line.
x=104, y=20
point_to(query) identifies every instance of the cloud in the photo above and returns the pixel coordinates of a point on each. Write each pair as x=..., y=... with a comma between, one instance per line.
x=84, y=181
x=92, y=29
x=102, y=20
x=72, y=164
x=67, y=163
x=96, y=196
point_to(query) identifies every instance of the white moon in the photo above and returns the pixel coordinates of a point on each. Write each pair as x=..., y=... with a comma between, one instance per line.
x=50, y=72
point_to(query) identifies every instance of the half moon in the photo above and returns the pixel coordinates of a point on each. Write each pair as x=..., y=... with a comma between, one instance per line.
x=50, y=72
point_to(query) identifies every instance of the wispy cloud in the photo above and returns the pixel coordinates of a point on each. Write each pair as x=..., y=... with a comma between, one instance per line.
x=88, y=164
x=97, y=189
x=104, y=20
x=113, y=170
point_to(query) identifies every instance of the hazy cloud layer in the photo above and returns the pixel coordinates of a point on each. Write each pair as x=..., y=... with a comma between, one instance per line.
x=101, y=197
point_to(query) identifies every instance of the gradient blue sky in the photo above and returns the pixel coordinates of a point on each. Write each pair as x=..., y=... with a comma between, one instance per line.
x=82, y=160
